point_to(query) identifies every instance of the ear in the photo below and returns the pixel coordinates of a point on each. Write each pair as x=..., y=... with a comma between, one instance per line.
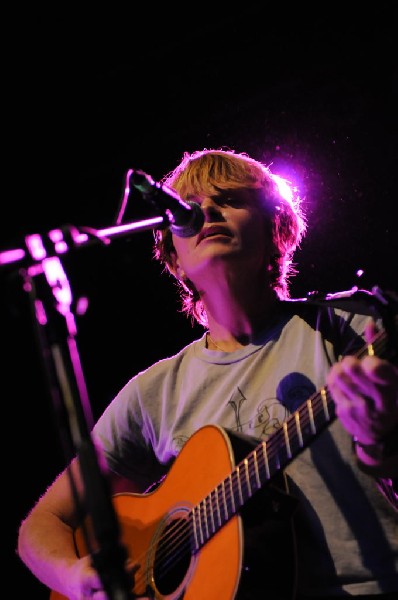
x=180, y=273
x=176, y=268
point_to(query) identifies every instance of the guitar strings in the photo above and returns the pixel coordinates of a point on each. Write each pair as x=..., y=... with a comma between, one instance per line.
x=176, y=542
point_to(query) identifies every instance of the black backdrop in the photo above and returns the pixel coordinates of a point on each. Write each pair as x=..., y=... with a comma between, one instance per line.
x=312, y=91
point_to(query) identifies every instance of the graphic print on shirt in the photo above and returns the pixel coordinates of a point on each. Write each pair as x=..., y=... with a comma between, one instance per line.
x=293, y=390
x=269, y=416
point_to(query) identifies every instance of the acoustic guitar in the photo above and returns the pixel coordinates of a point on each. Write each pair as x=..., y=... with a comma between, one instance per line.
x=219, y=525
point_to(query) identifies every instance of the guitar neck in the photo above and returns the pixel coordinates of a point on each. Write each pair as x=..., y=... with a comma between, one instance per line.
x=260, y=466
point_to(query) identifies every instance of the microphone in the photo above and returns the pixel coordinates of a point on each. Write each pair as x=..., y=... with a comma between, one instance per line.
x=186, y=218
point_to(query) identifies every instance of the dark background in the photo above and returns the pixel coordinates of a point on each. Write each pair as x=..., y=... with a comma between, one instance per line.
x=311, y=91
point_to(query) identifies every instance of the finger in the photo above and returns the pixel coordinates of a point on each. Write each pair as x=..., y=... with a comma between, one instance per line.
x=99, y=595
x=380, y=371
x=371, y=331
x=349, y=377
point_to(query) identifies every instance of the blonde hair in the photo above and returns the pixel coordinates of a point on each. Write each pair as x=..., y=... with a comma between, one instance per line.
x=205, y=171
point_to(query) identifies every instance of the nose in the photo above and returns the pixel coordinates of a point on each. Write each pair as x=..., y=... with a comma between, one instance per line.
x=211, y=209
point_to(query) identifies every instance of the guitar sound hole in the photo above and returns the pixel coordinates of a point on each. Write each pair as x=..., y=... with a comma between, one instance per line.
x=172, y=557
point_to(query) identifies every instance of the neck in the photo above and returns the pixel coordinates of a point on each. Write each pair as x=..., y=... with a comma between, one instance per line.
x=234, y=324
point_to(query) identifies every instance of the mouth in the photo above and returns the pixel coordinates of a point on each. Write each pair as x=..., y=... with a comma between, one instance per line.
x=213, y=231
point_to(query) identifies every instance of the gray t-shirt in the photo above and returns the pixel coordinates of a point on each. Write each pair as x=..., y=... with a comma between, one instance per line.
x=347, y=534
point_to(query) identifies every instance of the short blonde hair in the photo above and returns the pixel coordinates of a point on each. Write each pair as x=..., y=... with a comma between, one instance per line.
x=207, y=170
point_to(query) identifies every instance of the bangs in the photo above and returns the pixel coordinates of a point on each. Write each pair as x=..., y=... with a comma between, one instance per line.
x=205, y=173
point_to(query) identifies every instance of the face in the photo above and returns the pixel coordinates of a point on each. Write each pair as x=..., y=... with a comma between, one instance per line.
x=236, y=235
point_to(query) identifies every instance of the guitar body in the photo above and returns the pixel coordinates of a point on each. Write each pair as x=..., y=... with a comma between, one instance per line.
x=251, y=553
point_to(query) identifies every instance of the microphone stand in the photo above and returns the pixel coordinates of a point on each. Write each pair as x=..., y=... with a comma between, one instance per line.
x=51, y=301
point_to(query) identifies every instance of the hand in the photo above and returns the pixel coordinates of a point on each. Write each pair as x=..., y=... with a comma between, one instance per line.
x=365, y=392
x=84, y=582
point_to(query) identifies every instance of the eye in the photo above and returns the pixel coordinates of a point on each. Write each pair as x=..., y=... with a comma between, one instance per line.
x=235, y=200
